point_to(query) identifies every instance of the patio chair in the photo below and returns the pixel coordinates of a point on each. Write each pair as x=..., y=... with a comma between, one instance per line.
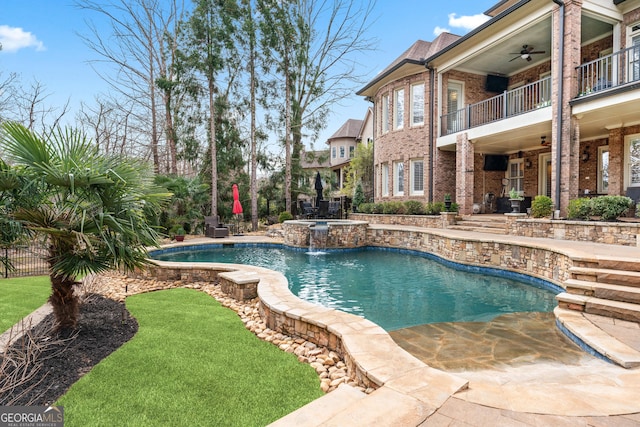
x=213, y=227
x=334, y=209
x=323, y=209
x=307, y=210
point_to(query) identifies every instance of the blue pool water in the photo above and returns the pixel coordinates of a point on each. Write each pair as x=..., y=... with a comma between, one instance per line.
x=395, y=290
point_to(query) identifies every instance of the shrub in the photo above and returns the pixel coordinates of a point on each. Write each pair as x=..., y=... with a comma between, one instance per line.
x=610, y=207
x=414, y=207
x=454, y=207
x=366, y=208
x=541, y=206
x=434, y=208
x=378, y=208
x=358, y=196
x=579, y=208
x=393, y=208
x=284, y=216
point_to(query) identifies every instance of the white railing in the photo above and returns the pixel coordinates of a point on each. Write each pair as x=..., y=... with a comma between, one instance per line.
x=610, y=71
x=508, y=104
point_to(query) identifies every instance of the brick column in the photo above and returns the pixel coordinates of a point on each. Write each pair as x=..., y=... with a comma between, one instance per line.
x=569, y=148
x=616, y=161
x=464, y=174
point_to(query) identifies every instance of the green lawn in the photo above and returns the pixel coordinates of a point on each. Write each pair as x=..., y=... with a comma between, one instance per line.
x=20, y=296
x=192, y=363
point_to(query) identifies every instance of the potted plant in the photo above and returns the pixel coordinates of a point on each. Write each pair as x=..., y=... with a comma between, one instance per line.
x=180, y=234
x=516, y=199
x=447, y=202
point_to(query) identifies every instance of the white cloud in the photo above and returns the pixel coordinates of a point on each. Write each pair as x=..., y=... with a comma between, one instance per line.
x=467, y=22
x=14, y=39
x=439, y=30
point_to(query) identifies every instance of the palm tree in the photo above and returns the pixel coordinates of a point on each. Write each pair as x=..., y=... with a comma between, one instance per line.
x=91, y=208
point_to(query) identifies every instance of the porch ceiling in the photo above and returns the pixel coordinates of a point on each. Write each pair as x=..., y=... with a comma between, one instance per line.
x=521, y=139
x=596, y=117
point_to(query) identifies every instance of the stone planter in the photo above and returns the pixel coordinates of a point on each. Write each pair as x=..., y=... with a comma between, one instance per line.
x=515, y=205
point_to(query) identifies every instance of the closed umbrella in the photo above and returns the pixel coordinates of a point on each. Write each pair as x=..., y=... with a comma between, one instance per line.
x=237, y=206
x=318, y=186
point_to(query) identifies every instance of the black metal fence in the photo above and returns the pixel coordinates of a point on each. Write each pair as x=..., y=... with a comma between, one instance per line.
x=24, y=260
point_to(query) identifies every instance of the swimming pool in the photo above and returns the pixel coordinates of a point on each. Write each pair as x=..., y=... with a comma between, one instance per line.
x=395, y=289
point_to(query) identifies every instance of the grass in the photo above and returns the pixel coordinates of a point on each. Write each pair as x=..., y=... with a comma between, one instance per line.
x=21, y=296
x=192, y=363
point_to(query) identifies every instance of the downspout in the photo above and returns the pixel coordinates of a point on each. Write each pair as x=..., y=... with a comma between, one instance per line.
x=431, y=128
x=560, y=3
x=373, y=137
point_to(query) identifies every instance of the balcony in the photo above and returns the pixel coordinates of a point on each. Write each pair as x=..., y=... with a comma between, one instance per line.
x=509, y=104
x=608, y=72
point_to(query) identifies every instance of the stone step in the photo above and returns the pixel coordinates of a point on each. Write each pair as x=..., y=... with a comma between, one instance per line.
x=604, y=290
x=603, y=307
x=479, y=229
x=605, y=275
x=619, y=264
x=597, y=339
x=468, y=223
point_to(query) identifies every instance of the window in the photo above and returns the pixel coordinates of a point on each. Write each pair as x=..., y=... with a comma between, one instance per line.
x=385, y=179
x=455, y=114
x=632, y=160
x=515, y=175
x=417, y=104
x=603, y=169
x=385, y=113
x=342, y=151
x=417, y=177
x=398, y=109
x=352, y=151
x=398, y=179
x=333, y=152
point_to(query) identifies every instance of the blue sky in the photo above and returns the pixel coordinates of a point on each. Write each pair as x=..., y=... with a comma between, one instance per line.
x=40, y=42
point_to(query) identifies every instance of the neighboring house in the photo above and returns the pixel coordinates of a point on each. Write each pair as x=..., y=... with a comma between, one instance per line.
x=543, y=98
x=343, y=143
x=313, y=162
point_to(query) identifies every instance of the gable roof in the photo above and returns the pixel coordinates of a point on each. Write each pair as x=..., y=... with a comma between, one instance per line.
x=415, y=55
x=350, y=129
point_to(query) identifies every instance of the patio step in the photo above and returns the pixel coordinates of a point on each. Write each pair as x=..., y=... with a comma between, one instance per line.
x=605, y=275
x=604, y=290
x=482, y=223
x=603, y=307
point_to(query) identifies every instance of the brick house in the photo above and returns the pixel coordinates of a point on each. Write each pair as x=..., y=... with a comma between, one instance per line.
x=544, y=98
x=343, y=143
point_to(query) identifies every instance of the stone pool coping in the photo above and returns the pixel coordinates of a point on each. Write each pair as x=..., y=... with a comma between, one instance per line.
x=408, y=391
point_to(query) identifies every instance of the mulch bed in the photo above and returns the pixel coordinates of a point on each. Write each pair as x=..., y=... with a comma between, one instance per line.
x=104, y=325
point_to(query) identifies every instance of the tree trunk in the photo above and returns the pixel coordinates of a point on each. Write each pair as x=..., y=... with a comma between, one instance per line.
x=214, y=151
x=254, y=157
x=287, y=140
x=64, y=302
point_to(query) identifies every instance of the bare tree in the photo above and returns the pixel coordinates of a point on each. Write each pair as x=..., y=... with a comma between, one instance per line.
x=313, y=43
x=144, y=34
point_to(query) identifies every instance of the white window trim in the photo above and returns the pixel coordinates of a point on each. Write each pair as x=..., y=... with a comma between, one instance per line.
x=627, y=160
x=385, y=114
x=413, y=91
x=385, y=179
x=396, y=181
x=600, y=188
x=412, y=189
x=397, y=125
x=509, y=177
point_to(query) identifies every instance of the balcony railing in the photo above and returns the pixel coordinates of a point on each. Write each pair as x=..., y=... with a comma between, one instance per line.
x=609, y=71
x=509, y=104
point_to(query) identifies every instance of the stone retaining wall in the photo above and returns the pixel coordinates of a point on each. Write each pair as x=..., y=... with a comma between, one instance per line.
x=340, y=234
x=613, y=233
x=520, y=258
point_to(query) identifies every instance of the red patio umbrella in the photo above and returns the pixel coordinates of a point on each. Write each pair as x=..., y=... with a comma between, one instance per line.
x=237, y=207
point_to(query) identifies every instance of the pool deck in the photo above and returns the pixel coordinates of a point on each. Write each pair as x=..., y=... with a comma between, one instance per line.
x=558, y=389
x=584, y=391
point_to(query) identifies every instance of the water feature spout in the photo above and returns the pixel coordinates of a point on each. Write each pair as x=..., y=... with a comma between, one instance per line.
x=318, y=235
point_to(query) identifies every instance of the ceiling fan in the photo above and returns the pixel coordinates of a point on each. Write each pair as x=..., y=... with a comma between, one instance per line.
x=526, y=53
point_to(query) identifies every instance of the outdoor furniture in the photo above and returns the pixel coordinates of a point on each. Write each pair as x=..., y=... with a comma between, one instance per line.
x=323, y=209
x=307, y=210
x=334, y=209
x=213, y=227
